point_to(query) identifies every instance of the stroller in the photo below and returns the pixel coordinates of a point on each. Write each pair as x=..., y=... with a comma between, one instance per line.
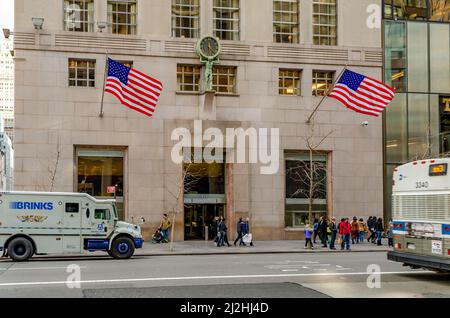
x=158, y=237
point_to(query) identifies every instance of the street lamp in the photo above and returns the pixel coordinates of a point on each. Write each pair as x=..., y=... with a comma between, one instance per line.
x=38, y=23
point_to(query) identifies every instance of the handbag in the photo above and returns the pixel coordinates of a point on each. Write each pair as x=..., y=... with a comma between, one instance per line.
x=247, y=238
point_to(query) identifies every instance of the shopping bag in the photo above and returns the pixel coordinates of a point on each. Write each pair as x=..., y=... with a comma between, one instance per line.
x=247, y=238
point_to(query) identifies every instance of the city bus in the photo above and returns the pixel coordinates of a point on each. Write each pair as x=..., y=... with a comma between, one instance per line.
x=421, y=214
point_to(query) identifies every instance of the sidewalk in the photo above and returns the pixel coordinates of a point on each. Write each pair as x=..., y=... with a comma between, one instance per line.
x=260, y=247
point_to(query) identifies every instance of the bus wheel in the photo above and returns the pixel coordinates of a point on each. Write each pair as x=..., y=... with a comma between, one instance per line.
x=20, y=249
x=122, y=248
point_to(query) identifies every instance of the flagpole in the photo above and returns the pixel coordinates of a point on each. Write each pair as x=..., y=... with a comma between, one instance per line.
x=326, y=94
x=104, y=83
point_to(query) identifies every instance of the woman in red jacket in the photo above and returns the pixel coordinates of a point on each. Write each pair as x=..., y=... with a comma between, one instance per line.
x=345, y=230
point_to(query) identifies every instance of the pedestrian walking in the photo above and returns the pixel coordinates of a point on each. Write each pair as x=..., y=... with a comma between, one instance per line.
x=355, y=230
x=165, y=226
x=316, y=229
x=240, y=231
x=390, y=233
x=371, y=222
x=308, y=236
x=345, y=230
x=213, y=228
x=362, y=230
x=323, y=230
x=246, y=231
x=379, y=230
x=333, y=229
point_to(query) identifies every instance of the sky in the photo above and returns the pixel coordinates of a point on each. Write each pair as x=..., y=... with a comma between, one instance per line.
x=6, y=16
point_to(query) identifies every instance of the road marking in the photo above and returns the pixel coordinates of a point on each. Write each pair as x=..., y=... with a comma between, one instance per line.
x=290, y=270
x=34, y=268
x=150, y=279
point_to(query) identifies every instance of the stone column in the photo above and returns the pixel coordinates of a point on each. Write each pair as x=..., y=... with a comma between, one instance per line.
x=229, y=192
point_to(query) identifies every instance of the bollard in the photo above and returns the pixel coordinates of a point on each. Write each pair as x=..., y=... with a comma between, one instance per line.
x=206, y=233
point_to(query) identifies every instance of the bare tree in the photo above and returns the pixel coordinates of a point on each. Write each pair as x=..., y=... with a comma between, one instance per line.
x=191, y=175
x=54, y=169
x=310, y=176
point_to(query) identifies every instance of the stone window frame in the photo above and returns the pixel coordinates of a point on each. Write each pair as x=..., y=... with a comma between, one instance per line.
x=278, y=35
x=86, y=15
x=287, y=74
x=192, y=15
x=328, y=36
x=302, y=155
x=328, y=80
x=74, y=81
x=232, y=8
x=113, y=27
x=183, y=74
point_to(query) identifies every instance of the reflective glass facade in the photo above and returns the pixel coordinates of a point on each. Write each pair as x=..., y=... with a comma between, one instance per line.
x=417, y=65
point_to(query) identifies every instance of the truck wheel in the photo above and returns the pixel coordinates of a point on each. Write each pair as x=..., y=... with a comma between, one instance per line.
x=20, y=249
x=122, y=248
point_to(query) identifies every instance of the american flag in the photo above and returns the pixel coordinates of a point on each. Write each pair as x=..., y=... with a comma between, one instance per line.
x=134, y=89
x=362, y=94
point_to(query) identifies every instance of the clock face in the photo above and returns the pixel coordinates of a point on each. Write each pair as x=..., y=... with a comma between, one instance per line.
x=209, y=47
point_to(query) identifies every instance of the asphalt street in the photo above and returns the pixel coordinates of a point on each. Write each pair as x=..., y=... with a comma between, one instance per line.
x=256, y=276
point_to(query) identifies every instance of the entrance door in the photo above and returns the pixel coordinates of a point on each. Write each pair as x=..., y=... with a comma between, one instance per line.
x=72, y=227
x=199, y=216
x=445, y=124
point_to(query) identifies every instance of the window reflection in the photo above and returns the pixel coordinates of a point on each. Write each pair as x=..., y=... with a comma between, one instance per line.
x=396, y=132
x=395, y=55
x=440, y=10
x=204, y=178
x=96, y=174
x=410, y=9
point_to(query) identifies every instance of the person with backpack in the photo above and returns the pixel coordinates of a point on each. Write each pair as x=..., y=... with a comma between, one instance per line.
x=315, y=229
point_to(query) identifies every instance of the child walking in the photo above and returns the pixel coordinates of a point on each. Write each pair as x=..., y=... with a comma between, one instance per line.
x=308, y=236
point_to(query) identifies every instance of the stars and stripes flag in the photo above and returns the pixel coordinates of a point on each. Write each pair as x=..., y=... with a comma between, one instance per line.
x=133, y=88
x=362, y=94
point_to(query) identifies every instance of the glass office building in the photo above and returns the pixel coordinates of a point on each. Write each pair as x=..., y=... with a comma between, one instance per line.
x=417, y=65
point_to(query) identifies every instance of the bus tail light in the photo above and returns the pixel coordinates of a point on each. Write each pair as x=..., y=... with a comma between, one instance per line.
x=448, y=252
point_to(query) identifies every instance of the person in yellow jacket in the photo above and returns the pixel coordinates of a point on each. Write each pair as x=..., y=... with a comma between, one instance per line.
x=165, y=227
x=362, y=230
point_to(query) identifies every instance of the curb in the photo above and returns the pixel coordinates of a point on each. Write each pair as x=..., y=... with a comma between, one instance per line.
x=258, y=252
x=87, y=256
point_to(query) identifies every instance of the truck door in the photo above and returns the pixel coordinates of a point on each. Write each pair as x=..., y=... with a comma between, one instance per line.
x=72, y=227
x=102, y=220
